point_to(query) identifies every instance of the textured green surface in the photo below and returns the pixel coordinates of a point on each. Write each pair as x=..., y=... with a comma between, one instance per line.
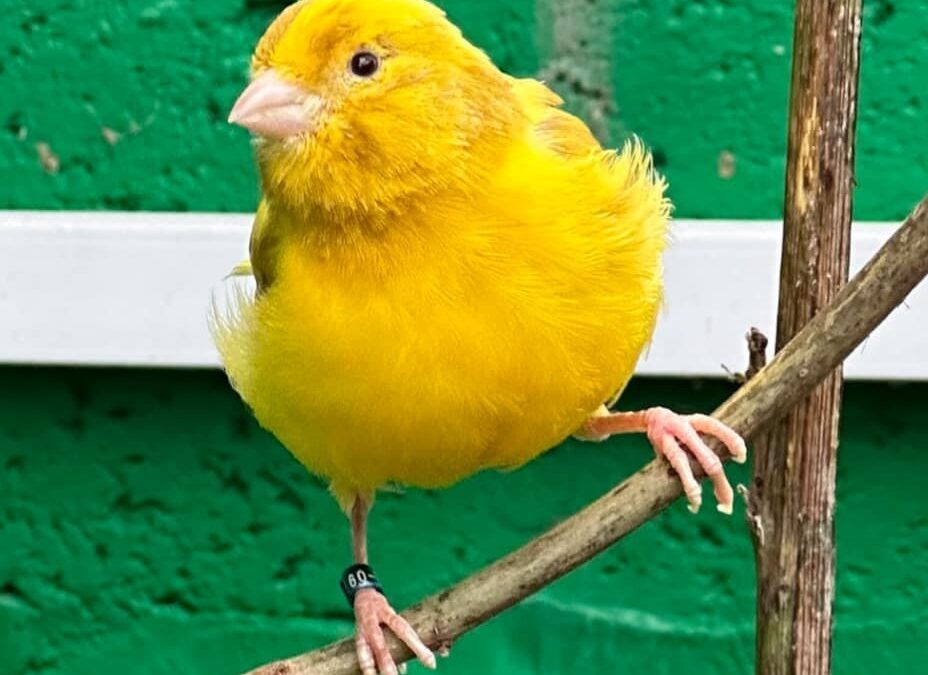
x=695, y=79
x=148, y=526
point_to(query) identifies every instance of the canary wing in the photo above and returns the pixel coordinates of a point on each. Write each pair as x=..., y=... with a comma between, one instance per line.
x=554, y=127
x=264, y=247
x=570, y=138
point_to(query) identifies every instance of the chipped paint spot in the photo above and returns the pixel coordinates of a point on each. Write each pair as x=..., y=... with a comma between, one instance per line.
x=726, y=165
x=47, y=157
x=110, y=135
x=579, y=67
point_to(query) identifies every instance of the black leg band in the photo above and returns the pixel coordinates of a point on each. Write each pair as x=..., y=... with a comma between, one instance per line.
x=356, y=578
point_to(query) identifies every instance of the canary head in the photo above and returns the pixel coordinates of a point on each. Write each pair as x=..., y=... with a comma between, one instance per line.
x=356, y=103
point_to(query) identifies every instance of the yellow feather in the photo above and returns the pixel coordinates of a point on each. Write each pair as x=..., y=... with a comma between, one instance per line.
x=241, y=269
x=453, y=274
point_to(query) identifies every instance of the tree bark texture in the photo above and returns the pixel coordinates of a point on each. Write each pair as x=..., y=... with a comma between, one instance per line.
x=793, y=492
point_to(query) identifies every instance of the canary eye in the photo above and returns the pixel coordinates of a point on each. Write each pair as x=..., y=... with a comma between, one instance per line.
x=364, y=64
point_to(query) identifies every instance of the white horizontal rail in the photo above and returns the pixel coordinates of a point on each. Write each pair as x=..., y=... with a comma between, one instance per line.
x=133, y=289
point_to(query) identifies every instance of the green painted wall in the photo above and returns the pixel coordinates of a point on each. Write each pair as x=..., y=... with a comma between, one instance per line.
x=146, y=523
x=148, y=526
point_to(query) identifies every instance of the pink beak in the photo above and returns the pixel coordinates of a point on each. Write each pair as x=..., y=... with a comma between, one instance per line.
x=273, y=108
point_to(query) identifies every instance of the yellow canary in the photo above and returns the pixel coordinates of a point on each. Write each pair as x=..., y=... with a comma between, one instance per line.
x=452, y=274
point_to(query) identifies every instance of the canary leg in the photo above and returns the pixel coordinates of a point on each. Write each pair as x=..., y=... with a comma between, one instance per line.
x=669, y=433
x=372, y=611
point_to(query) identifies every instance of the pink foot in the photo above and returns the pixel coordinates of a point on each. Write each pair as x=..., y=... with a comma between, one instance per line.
x=371, y=611
x=668, y=433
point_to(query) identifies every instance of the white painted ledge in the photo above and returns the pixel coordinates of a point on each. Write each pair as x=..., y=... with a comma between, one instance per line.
x=132, y=289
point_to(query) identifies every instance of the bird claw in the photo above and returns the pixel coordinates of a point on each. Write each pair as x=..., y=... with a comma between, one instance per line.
x=669, y=432
x=372, y=612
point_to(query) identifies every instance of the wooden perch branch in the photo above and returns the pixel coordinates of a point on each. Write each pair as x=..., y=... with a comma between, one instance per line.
x=793, y=486
x=812, y=354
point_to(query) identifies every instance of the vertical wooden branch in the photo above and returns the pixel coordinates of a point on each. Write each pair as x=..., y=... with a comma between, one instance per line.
x=793, y=491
